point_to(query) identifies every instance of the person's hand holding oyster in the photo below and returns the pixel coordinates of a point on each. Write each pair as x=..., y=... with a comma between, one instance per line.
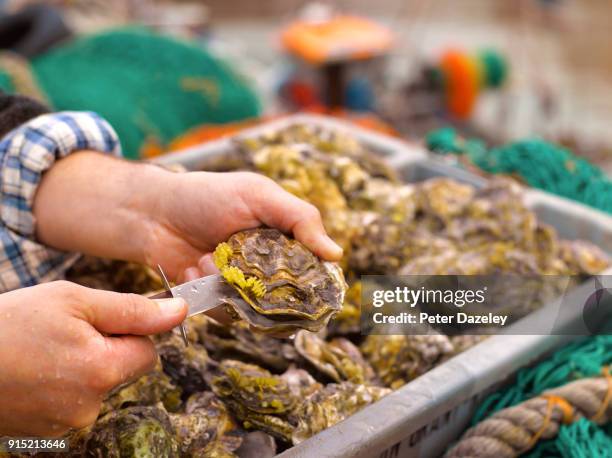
x=63, y=347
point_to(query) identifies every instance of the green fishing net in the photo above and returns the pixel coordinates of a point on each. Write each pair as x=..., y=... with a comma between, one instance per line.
x=148, y=86
x=538, y=163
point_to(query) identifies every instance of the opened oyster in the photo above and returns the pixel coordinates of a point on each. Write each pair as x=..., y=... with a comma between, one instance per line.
x=283, y=285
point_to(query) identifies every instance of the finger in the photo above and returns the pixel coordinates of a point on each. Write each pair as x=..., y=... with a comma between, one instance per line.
x=207, y=265
x=120, y=313
x=129, y=357
x=275, y=207
x=191, y=273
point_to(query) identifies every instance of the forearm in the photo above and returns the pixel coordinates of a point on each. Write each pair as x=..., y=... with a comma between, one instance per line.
x=99, y=205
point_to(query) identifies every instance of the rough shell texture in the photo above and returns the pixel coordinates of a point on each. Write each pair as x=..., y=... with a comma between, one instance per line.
x=331, y=405
x=280, y=279
x=205, y=428
x=149, y=389
x=435, y=226
x=339, y=360
x=398, y=359
x=134, y=431
x=256, y=397
x=186, y=366
x=237, y=341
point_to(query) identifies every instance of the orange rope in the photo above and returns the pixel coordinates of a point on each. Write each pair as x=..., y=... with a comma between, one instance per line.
x=607, y=398
x=553, y=401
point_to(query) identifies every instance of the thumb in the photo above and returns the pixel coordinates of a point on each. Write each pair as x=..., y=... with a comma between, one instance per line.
x=121, y=313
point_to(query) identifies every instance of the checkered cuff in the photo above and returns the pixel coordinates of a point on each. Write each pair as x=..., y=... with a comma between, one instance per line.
x=31, y=149
x=25, y=153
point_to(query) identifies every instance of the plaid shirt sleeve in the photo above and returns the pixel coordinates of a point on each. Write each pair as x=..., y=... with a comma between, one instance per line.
x=25, y=154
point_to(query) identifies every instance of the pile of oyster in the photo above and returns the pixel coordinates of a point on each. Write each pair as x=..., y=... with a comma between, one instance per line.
x=236, y=391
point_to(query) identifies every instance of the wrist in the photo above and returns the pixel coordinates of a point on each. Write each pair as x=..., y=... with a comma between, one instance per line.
x=99, y=205
x=152, y=207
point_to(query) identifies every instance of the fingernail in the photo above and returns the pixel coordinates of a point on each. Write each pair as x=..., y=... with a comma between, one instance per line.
x=332, y=247
x=192, y=273
x=172, y=306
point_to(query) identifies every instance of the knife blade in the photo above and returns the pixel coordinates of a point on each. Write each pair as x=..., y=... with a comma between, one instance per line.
x=201, y=295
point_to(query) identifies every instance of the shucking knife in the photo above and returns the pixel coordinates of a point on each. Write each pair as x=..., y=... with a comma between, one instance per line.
x=202, y=294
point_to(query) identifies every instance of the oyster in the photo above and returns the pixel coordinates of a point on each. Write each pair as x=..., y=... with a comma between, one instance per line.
x=257, y=398
x=134, y=431
x=257, y=444
x=397, y=359
x=339, y=359
x=238, y=341
x=205, y=428
x=300, y=382
x=583, y=257
x=347, y=321
x=332, y=142
x=283, y=285
x=331, y=405
x=399, y=202
x=444, y=198
x=186, y=366
x=149, y=389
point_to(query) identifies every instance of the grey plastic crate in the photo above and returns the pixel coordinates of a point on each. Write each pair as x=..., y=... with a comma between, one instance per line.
x=424, y=416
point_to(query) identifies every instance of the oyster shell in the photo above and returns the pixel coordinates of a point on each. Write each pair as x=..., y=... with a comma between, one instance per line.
x=238, y=341
x=332, y=142
x=282, y=284
x=134, y=431
x=339, y=360
x=347, y=321
x=444, y=198
x=583, y=257
x=331, y=405
x=186, y=366
x=150, y=389
x=256, y=397
x=397, y=359
x=205, y=428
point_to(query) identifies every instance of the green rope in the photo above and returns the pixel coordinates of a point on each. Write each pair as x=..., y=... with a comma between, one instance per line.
x=538, y=163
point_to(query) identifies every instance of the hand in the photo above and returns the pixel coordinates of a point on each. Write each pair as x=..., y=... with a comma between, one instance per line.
x=107, y=207
x=57, y=359
x=205, y=209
